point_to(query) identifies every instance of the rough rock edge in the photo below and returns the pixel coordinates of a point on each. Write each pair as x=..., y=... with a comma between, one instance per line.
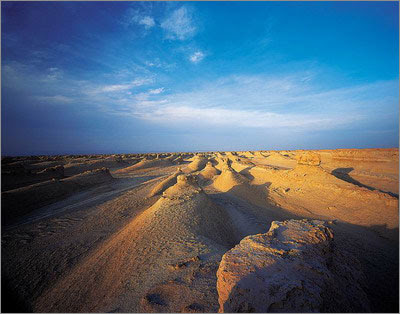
x=295, y=267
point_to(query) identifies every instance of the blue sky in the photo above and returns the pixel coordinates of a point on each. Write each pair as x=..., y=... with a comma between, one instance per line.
x=121, y=77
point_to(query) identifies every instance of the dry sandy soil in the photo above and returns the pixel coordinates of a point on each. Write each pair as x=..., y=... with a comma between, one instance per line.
x=147, y=232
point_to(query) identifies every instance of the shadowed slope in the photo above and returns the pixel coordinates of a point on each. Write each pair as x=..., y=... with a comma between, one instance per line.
x=18, y=202
x=182, y=224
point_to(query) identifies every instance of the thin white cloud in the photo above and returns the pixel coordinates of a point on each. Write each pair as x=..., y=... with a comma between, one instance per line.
x=147, y=22
x=122, y=87
x=147, y=104
x=138, y=17
x=296, y=102
x=243, y=118
x=266, y=102
x=157, y=63
x=156, y=91
x=141, y=81
x=115, y=88
x=53, y=74
x=57, y=99
x=179, y=25
x=197, y=57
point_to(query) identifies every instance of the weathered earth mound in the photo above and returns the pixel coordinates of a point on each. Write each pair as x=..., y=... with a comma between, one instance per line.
x=309, y=158
x=209, y=172
x=197, y=164
x=90, y=178
x=222, y=162
x=73, y=168
x=165, y=184
x=228, y=179
x=53, y=171
x=185, y=188
x=146, y=163
x=39, y=166
x=240, y=164
x=294, y=267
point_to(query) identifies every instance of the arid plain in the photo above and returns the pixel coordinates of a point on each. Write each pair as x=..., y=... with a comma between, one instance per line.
x=252, y=231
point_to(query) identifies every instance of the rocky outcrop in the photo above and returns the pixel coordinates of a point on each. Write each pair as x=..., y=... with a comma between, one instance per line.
x=294, y=267
x=309, y=158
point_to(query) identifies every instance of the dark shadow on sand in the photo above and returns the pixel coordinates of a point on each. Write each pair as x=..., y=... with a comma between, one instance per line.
x=343, y=174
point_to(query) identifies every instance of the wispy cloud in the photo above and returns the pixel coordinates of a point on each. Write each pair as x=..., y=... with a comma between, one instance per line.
x=53, y=74
x=266, y=102
x=140, y=17
x=56, y=99
x=147, y=22
x=197, y=57
x=114, y=88
x=29, y=78
x=295, y=101
x=243, y=118
x=156, y=91
x=122, y=87
x=179, y=25
x=157, y=63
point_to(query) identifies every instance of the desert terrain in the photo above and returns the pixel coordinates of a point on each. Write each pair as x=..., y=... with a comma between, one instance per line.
x=245, y=231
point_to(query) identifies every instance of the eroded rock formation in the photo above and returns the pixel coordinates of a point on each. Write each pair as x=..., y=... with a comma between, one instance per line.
x=294, y=267
x=309, y=158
